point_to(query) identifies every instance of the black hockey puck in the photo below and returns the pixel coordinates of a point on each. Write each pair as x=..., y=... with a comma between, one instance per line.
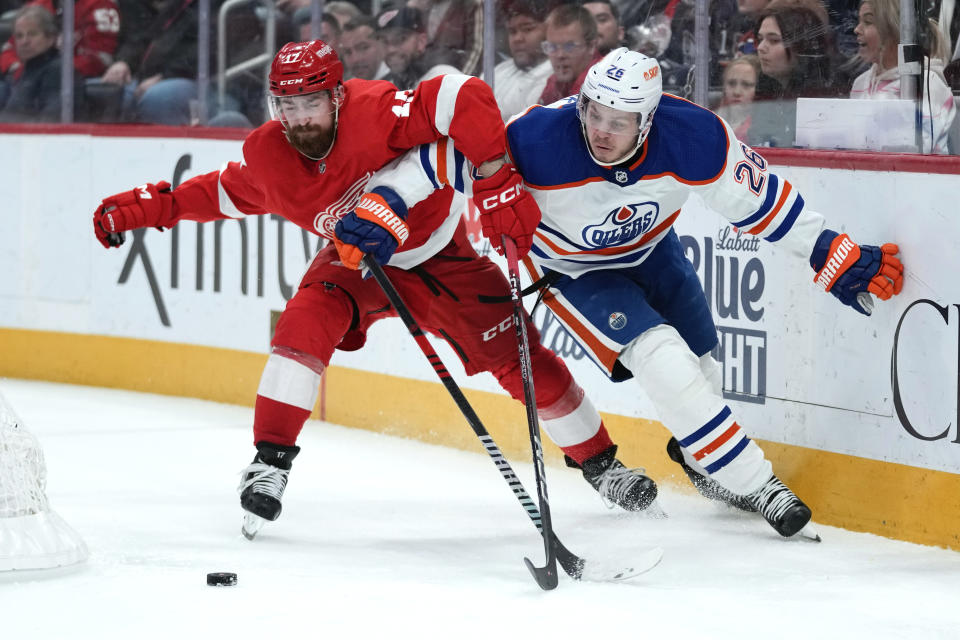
x=221, y=579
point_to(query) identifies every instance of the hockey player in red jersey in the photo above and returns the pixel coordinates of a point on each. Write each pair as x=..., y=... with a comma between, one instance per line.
x=311, y=164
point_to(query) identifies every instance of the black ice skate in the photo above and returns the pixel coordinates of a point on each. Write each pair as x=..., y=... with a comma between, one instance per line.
x=617, y=485
x=785, y=512
x=708, y=487
x=262, y=485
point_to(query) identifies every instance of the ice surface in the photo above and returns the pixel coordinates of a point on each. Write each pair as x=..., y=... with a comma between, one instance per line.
x=383, y=537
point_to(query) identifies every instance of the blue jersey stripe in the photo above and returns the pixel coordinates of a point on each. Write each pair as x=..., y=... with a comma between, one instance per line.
x=427, y=167
x=537, y=251
x=543, y=226
x=728, y=456
x=764, y=209
x=707, y=428
x=458, y=171
x=787, y=223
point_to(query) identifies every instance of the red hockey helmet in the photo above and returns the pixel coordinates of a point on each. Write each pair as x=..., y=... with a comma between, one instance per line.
x=305, y=67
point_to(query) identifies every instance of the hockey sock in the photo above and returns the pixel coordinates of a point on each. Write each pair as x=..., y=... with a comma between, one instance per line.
x=285, y=398
x=589, y=448
x=574, y=425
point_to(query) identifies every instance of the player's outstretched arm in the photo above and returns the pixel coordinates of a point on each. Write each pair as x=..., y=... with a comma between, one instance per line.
x=377, y=226
x=149, y=205
x=852, y=272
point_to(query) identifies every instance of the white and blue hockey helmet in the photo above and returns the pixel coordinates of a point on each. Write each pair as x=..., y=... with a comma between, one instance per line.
x=625, y=81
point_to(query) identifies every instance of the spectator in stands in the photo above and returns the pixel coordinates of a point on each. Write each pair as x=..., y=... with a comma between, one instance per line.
x=35, y=89
x=609, y=30
x=842, y=15
x=796, y=60
x=739, y=87
x=403, y=33
x=343, y=11
x=949, y=25
x=878, y=36
x=330, y=29
x=520, y=80
x=679, y=59
x=160, y=61
x=571, y=45
x=652, y=36
x=634, y=13
x=454, y=31
x=134, y=37
x=361, y=50
x=96, y=24
x=745, y=37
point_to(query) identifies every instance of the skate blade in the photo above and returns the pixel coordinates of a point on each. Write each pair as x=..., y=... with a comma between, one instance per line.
x=809, y=532
x=251, y=525
x=654, y=510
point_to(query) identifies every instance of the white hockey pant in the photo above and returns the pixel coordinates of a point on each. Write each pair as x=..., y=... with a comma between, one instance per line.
x=685, y=390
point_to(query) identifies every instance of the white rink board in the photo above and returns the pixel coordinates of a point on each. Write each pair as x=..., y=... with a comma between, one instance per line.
x=824, y=371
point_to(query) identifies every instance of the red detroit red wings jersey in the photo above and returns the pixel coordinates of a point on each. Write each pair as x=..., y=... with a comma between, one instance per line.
x=377, y=123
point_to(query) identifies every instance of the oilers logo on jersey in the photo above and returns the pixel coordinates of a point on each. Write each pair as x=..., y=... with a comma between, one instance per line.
x=617, y=320
x=622, y=225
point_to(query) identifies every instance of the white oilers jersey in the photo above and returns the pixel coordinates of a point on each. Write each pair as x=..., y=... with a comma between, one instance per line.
x=609, y=217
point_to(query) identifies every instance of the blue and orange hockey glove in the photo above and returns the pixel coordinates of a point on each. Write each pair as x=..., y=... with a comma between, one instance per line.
x=851, y=272
x=377, y=226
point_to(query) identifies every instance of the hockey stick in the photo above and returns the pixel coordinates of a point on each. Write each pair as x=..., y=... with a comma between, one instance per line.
x=575, y=567
x=545, y=576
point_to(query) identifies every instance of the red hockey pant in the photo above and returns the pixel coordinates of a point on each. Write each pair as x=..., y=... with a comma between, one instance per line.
x=334, y=307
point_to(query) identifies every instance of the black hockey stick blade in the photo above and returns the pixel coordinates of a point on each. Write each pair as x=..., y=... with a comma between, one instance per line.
x=546, y=576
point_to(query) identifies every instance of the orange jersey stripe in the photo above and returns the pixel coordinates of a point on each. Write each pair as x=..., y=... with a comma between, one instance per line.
x=787, y=187
x=442, y=160
x=606, y=356
x=716, y=444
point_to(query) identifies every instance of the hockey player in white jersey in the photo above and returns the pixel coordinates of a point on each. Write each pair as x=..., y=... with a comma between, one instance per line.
x=610, y=169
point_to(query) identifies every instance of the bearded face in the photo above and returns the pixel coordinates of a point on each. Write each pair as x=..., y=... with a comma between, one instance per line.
x=309, y=121
x=312, y=140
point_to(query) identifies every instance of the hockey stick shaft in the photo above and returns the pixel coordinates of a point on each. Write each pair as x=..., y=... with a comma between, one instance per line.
x=572, y=564
x=549, y=572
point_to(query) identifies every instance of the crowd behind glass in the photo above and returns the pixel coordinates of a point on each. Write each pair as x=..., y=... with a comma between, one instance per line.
x=137, y=60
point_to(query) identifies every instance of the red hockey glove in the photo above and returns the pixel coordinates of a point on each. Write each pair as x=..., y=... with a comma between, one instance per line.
x=149, y=205
x=506, y=208
x=373, y=227
x=851, y=272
